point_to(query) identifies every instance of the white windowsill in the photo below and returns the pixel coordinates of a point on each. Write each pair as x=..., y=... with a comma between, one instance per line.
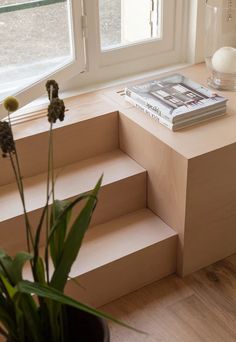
x=41, y=103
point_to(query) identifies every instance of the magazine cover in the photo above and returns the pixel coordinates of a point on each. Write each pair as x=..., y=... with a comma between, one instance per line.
x=175, y=96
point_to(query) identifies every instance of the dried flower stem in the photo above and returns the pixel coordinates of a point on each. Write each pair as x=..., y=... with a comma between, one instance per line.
x=48, y=196
x=17, y=172
x=52, y=169
x=50, y=178
x=29, y=237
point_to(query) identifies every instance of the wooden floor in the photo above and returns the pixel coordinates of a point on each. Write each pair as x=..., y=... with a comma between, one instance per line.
x=200, y=307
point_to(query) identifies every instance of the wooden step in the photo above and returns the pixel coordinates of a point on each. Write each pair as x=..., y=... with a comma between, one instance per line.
x=121, y=256
x=123, y=191
x=90, y=137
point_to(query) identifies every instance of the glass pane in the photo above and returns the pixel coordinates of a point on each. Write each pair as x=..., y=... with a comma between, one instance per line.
x=124, y=22
x=34, y=41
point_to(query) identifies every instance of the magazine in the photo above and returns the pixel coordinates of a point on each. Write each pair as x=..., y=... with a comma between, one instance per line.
x=175, y=98
x=181, y=124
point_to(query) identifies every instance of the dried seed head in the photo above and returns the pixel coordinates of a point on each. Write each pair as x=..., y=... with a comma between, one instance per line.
x=11, y=104
x=52, y=89
x=56, y=110
x=7, y=143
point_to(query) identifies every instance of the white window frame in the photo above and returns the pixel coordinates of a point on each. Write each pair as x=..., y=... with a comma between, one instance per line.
x=64, y=71
x=166, y=43
x=183, y=43
x=196, y=32
x=149, y=55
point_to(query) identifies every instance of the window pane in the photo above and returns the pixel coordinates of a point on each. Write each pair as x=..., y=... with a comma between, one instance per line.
x=34, y=41
x=124, y=22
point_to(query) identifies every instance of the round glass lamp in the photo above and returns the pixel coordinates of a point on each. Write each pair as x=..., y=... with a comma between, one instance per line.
x=220, y=49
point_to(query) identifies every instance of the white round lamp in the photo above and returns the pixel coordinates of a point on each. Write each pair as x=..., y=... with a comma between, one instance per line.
x=220, y=51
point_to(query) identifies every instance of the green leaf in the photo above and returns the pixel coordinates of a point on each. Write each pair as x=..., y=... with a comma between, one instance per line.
x=6, y=266
x=26, y=305
x=7, y=320
x=51, y=293
x=18, y=264
x=38, y=233
x=58, y=237
x=12, y=268
x=39, y=270
x=20, y=325
x=74, y=240
x=10, y=290
x=56, y=226
x=64, y=213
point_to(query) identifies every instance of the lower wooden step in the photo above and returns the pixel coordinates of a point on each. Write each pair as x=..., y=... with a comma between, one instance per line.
x=121, y=256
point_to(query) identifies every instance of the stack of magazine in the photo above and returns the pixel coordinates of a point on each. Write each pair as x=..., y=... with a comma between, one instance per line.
x=176, y=101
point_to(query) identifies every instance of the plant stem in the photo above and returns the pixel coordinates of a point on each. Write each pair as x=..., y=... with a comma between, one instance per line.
x=22, y=200
x=52, y=170
x=47, y=202
x=29, y=230
x=18, y=176
x=50, y=176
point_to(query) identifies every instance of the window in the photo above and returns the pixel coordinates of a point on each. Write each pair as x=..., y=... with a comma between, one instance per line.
x=125, y=37
x=147, y=28
x=119, y=25
x=106, y=39
x=37, y=39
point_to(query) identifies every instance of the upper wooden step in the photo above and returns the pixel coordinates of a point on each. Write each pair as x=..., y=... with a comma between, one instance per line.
x=80, y=140
x=123, y=190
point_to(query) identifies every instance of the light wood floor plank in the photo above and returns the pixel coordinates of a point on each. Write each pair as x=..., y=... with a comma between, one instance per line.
x=198, y=308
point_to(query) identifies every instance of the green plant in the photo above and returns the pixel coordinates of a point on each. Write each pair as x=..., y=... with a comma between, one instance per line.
x=35, y=310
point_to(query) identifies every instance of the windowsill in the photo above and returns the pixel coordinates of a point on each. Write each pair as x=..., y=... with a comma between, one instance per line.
x=189, y=142
x=38, y=107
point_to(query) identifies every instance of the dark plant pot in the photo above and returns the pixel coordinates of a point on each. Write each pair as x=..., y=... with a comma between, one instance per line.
x=86, y=327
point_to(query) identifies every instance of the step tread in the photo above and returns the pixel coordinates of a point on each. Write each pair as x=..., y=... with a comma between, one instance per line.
x=118, y=238
x=71, y=180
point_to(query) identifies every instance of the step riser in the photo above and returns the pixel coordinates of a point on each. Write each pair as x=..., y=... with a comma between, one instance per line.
x=72, y=143
x=115, y=199
x=107, y=283
x=121, y=198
